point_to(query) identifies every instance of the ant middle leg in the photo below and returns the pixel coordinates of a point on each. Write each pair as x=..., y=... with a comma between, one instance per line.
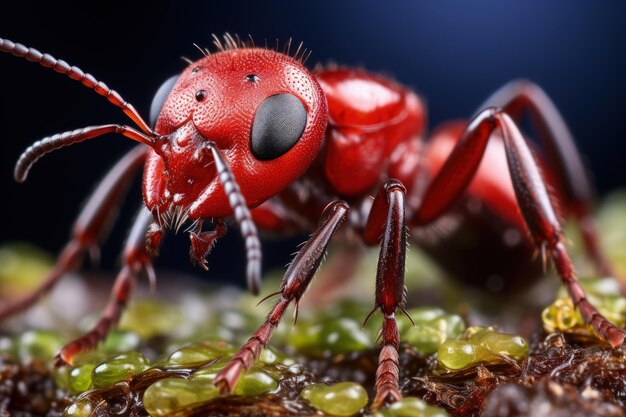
x=294, y=284
x=387, y=219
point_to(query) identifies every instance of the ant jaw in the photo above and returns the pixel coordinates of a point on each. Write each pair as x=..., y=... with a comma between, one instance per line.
x=192, y=162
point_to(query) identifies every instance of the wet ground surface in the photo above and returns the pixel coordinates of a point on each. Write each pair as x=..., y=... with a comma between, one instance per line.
x=557, y=379
x=563, y=374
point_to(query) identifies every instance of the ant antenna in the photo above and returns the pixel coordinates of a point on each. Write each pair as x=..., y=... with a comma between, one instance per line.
x=243, y=218
x=75, y=73
x=54, y=142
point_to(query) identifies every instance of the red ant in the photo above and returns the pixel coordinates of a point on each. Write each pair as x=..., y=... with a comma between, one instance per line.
x=250, y=133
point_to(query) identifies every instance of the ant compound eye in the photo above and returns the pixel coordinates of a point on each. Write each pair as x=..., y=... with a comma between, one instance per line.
x=200, y=95
x=252, y=78
x=159, y=98
x=278, y=124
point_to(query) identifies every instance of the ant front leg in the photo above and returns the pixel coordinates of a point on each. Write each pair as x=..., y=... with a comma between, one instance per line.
x=387, y=219
x=90, y=227
x=532, y=198
x=294, y=284
x=518, y=97
x=135, y=259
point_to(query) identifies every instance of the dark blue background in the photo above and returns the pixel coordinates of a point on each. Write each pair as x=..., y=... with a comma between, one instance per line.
x=455, y=53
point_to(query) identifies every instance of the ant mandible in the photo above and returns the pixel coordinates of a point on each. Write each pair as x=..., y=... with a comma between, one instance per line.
x=249, y=133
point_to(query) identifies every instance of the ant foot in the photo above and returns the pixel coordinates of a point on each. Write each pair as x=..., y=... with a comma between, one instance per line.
x=386, y=394
x=227, y=378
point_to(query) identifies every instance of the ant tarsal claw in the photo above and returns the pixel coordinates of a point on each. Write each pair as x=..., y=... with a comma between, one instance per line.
x=386, y=394
x=227, y=379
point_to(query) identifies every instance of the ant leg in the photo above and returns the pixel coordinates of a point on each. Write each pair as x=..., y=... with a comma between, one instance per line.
x=90, y=227
x=519, y=96
x=532, y=198
x=273, y=216
x=387, y=218
x=294, y=284
x=135, y=259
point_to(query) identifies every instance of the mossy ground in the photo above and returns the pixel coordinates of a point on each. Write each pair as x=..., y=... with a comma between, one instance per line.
x=188, y=336
x=558, y=379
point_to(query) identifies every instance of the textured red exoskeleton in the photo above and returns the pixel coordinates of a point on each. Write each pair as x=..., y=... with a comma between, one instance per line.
x=249, y=133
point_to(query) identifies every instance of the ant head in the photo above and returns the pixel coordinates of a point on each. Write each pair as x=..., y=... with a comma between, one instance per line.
x=265, y=112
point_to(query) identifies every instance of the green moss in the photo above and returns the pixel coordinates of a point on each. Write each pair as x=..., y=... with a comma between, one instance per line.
x=342, y=399
x=61, y=376
x=200, y=352
x=411, y=407
x=118, y=368
x=150, y=318
x=481, y=345
x=39, y=344
x=432, y=327
x=80, y=408
x=336, y=336
x=255, y=381
x=603, y=293
x=272, y=356
x=121, y=341
x=80, y=378
x=22, y=267
x=170, y=394
x=612, y=230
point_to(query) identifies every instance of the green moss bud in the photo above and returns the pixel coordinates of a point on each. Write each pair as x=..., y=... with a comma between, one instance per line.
x=342, y=399
x=342, y=335
x=481, y=345
x=80, y=408
x=411, y=407
x=150, y=318
x=200, y=353
x=39, y=344
x=118, y=369
x=80, y=378
x=171, y=394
